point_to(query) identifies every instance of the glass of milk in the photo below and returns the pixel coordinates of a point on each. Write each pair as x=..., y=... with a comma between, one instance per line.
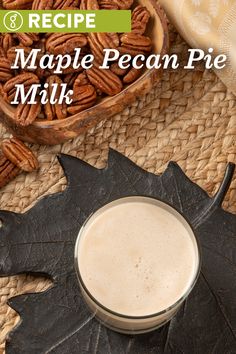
x=137, y=260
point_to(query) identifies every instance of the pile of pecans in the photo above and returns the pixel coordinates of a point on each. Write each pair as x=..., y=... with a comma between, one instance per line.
x=88, y=86
x=14, y=158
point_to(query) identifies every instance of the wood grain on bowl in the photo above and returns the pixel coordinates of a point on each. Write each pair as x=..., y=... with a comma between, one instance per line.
x=57, y=131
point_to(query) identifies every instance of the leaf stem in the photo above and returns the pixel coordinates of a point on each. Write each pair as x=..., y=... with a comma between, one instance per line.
x=218, y=199
x=220, y=195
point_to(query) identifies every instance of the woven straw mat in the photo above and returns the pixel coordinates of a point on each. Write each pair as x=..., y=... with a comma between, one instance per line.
x=189, y=117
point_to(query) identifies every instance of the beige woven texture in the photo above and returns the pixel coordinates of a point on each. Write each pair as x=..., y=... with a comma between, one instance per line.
x=189, y=117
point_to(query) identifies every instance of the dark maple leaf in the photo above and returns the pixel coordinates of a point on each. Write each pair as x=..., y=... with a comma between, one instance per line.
x=42, y=241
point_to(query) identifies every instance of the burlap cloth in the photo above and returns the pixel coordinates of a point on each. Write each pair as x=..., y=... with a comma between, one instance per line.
x=190, y=117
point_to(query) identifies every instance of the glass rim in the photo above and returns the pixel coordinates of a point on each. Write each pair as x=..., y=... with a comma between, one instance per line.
x=157, y=314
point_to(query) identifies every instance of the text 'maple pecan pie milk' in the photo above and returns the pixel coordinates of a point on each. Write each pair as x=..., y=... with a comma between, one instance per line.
x=137, y=260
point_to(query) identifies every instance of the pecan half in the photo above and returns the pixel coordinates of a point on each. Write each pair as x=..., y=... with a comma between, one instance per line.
x=26, y=79
x=70, y=69
x=54, y=111
x=27, y=113
x=104, y=80
x=140, y=18
x=84, y=97
x=124, y=4
x=65, y=43
x=70, y=79
x=134, y=44
x=7, y=42
x=100, y=41
x=81, y=80
x=65, y=4
x=129, y=75
x=8, y=171
x=11, y=53
x=5, y=70
x=89, y=5
x=17, y=4
x=19, y=154
x=117, y=70
x=132, y=75
x=43, y=73
x=2, y=53
x=27, y=39
x=107, y=5
x=42, y=5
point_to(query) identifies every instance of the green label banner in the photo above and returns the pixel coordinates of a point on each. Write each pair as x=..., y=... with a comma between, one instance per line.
x=65, y=21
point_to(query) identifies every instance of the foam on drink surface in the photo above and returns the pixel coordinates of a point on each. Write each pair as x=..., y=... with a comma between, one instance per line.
x=137, y=258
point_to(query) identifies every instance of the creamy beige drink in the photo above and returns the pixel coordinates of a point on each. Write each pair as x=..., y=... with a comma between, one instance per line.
x=137, y=258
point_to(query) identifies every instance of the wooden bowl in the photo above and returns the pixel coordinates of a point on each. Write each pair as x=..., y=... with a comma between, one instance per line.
x=58, y=131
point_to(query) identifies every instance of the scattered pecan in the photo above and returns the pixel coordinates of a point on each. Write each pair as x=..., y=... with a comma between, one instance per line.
x=27, y=113
x=65, y=43
x=107, y=5
x=134, y=44
x=27, y=39
x=100, y=41
x=26, y=79
x=8, y=171
x=17, y=4
x=19, y=154
x=140, y=18
x=42, y=5
x=105, y=80
x=5, y=70
x=54, y=111
x=84, y=97
x=89, y=5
